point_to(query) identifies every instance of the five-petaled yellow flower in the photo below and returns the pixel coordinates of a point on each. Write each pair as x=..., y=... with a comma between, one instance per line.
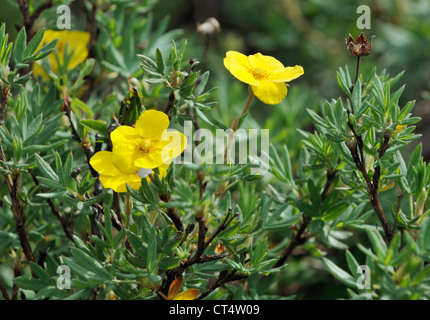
x=77, y=42
x=136, y=151
x=265, y=75
x=114, y=178
x=148, y=144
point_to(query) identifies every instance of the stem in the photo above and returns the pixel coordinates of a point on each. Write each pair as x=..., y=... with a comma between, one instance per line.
x=372, y=187
x=357, y=71
x=3, y=105
x=205, y=52
x=248, y=103
x=198, y=256
x=128, y=203
x=4, y=291
x=223, y=278
x=28, y=20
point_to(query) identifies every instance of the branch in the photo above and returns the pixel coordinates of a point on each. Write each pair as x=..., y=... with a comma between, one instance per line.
x=372, y=186
x=198, y=256
x=223, y=278
x=12, y=182
x=28, y=20
x=4, y=291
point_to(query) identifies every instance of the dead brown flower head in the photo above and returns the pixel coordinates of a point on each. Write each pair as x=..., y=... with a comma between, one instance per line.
x=360, y=47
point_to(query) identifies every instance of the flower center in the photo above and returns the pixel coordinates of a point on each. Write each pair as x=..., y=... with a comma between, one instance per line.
x=259, y=73
x=144, y=145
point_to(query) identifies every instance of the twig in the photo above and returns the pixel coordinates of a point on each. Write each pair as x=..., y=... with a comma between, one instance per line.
x=372, y=186
x=170, y=104
x=223, y=278
x=174, y=216
x=198, y=256
x=4, y=291
x=28, y=20
x=12, y=182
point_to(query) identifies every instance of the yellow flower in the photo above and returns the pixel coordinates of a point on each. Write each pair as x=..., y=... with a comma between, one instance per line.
x=265, y=74
x=189, y=294
x=114, y=178
x=147, y=145
x=76, y=40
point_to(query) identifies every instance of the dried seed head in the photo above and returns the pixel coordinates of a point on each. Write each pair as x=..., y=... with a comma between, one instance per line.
x=210, y=27
x=360, y=47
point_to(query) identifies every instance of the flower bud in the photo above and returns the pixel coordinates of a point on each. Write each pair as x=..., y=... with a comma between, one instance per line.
x=210, y=27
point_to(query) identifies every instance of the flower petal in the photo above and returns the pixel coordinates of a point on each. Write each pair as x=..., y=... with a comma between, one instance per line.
x=148, y=160
x=175, y=144
x=238, y=64
x=102, y=163
x=270, y=92
x=118, y=183
x=151, y=124
x=78, y=41
x=110, y=176
x=124, y=152
x=266, y=63
x=287, y=74
x=124, y=135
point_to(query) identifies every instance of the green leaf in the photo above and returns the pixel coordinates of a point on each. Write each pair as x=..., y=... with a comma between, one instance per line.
x=33, y=45
x=159, y=61
x=28, y=283
x=84, y=70
x=108, y=226
x=45, y=50
x=20, y=45
x=89, y=263
x=202, y=116
x=77, y=104
x=424, y=238
x=169, y=263
x=340, y=274
x=96, y=125
x=353, y=265
x=45, y=168
x=40, y=273
x=138, y=245
x=151, y=253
